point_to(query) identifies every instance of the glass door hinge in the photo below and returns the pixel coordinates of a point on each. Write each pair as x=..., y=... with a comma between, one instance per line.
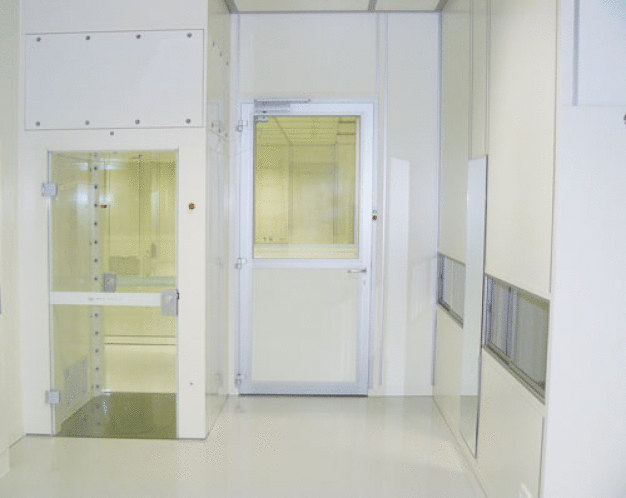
x=53, y=397
x=241, y=125
x=49, y=189
x=240, y=262
x=238, y=379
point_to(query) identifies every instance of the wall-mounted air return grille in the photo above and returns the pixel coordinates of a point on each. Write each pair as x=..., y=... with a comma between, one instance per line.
x=516, y=330
x=451, y=288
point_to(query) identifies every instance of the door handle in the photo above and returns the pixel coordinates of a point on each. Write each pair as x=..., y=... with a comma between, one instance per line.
x=169, y=302
x=357, y=270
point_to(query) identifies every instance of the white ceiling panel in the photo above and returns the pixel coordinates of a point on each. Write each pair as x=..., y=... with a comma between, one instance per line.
x=300, y=5
x=406, y=5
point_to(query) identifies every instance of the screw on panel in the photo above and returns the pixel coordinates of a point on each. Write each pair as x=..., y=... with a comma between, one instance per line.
x=189, y=35
x=37, y=123
x=111, y=133
x=138, y=36
x=87, y=37
x=187, y=120
x=87, y=122
x=137, y=121
x=39, y=38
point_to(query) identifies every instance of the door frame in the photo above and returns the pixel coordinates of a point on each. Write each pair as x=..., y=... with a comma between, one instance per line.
x=365, y=109
x=33, y=291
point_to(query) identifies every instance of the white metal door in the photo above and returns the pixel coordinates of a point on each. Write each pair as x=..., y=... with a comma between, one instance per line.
x=305, y=247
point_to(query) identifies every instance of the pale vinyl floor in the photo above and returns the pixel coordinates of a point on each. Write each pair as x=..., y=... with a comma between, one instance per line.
x=261, y=447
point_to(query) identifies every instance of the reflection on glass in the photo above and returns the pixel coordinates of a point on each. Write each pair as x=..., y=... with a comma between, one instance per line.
x=305, y=187
x=473, y=308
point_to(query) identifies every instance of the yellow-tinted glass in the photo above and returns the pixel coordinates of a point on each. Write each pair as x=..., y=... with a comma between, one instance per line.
x=306, y=179
x=115, y=213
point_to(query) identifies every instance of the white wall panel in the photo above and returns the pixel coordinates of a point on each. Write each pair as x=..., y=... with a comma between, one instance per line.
x=114, y=80
x=412, y=119
x=11, y=425
x=586, y=406
x=510, y=433
x=455, y=108
x=480, y=66
x=522, y=83
x=396, y=277
x=601, y=72
x=312, y=55
x=66, y=16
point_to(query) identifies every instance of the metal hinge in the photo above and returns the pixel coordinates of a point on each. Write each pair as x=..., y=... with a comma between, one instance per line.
x=49, y=189
x=238, y=379
x=240, y=262
x=53, y=397
x=241, y=125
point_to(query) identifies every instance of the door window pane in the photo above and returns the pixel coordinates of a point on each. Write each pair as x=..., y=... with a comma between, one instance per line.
x=306, y=173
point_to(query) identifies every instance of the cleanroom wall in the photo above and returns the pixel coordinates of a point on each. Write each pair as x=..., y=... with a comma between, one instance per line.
x=284, y=56
x=497, y=98
x=11, y=425
x=189, y=139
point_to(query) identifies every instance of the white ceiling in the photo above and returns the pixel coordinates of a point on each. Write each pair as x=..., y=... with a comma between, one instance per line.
x=333, y=5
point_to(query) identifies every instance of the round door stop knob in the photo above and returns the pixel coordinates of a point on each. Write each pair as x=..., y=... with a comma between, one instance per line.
x=192, y=206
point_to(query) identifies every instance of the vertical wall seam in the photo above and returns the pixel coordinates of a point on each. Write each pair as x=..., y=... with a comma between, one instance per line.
x=385, y=117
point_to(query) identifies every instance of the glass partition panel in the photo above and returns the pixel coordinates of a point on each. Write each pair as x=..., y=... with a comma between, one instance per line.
x=473, y=302
x=306, y=175
x=112, y=253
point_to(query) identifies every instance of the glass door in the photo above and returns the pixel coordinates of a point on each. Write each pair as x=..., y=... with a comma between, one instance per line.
x=305, y=255
x=113, y=298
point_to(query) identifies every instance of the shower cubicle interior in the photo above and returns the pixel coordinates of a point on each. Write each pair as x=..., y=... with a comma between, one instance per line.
x=113, y=298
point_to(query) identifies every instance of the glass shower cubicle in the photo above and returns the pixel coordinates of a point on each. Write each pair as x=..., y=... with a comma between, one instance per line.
x=113, y=297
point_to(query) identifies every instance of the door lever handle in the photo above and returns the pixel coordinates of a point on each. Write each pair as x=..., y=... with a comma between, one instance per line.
x=357, y=270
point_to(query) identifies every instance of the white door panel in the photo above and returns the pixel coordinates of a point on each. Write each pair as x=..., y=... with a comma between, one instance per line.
x=301, y=333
